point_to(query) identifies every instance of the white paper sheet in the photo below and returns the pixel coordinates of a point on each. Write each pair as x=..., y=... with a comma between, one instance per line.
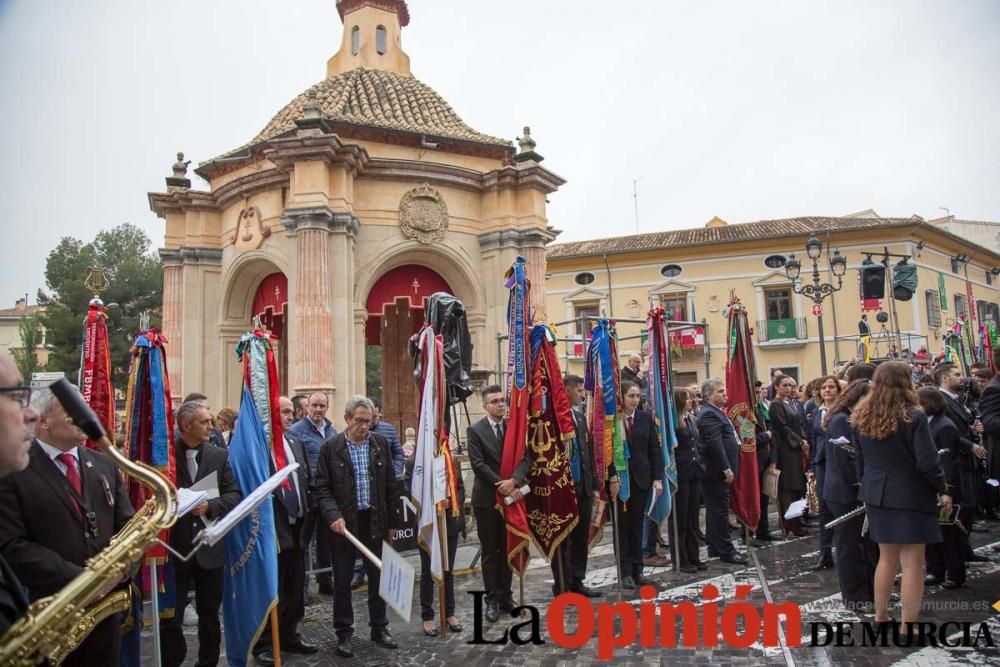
x=218, y=530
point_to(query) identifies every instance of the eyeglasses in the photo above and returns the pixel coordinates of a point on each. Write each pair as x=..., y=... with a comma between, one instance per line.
x=21, y=394
x=496, y=401
x=361, y=420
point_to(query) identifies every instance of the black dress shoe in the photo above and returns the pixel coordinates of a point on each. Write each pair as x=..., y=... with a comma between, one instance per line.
x=824, y=562
x=344, y=648
x=586, y=592
x=507, y=605
x=688, y=569
x=492, y=614
x=700, y=565
x=950, y=585
x=645, y=581
x=734, y=560
x=265, y=658
x=628, y=584
x=454, y=627
x=300, y=647
x=931, y=580
x=382, y=637
x=433, y=632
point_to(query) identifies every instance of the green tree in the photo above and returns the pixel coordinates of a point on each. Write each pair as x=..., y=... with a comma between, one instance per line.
x=136, y=285
x=26, y=356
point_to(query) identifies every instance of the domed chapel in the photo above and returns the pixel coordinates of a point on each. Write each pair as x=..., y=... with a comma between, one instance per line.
x=360, y=198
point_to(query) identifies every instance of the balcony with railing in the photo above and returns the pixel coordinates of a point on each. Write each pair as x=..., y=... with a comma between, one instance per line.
x=791, y=332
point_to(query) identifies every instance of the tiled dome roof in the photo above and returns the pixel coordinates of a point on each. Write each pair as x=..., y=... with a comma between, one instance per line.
x=381, y=99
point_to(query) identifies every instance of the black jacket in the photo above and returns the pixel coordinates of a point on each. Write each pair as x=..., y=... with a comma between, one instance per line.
x=989, y=411
x=42, y=536
x=840, y=483
x=720, y=449
x=13, y=598
x=961, y=487
x=294, y=536
x=766, y=452
x=645, y=463
x=904, y=470
x=687, y=454
x=787, y=433
x=336, y=490
x=588, y=482
x=210, y=459
x=485, y=452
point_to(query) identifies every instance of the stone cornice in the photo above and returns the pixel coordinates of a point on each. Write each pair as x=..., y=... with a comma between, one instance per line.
x=183, y=256
x=251, y=184
x=515, y=238
x=525, y=175
x=308, y=145
x=179, y=201
x=424, y=172
x=319, y=217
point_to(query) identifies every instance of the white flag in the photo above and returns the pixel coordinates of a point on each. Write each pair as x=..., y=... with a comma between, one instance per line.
x=422, y=484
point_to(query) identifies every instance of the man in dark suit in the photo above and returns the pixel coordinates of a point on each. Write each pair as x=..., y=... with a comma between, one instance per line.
x=645, y=475
x=720, y=451
x=357, y=492
x=17, y=421
x=58, y=513
x=291, y=512
x=989, y=410
x=948, y=379
x=766, y=460
x=485, y=439
x=197, y=459
x=573, y=551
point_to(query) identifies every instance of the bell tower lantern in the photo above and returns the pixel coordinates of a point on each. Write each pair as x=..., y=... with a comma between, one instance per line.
x=372, y=37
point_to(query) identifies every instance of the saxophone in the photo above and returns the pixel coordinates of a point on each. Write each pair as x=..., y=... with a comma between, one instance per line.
x=55, y=626
x=811, y=497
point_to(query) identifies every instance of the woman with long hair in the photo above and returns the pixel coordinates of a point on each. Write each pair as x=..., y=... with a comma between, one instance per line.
x=689, y=473
x=900, y=474
x=827, y=389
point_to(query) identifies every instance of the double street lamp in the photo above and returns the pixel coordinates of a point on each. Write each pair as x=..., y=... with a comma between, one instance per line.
x=817, y=291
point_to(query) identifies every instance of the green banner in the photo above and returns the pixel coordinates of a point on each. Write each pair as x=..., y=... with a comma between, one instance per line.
x=941, y=292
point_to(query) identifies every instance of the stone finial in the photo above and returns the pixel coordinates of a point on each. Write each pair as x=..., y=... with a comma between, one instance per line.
x=527, y=146
x=311, y=109
x=526, y=143
x=179, y=178
x=181, y=166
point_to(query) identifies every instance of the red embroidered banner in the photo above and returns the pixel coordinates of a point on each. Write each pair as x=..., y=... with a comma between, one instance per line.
x=96, y=377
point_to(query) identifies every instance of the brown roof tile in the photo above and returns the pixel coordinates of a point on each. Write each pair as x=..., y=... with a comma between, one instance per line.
x=17, y=312
x=377, y=98
x=749, y=231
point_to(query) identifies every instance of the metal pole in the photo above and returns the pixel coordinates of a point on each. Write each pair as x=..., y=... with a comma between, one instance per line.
x=614, y=535
x=154, y=597
x=676, y=550
x=443, y=533
x=707, y=349
x=822, y=343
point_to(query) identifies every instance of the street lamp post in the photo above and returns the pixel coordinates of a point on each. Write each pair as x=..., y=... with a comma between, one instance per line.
x=817, y=291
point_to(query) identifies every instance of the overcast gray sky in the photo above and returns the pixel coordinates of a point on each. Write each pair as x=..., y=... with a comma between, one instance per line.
x=745, y=110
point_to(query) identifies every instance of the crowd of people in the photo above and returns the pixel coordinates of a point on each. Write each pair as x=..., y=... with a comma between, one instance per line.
x=916, y=448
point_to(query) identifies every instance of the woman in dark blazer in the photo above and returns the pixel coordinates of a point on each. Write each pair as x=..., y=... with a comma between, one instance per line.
x=857, y=555
x=946, y=561
x=689, y=472
x=828, y=389
x=788, y=435
x=901, y=476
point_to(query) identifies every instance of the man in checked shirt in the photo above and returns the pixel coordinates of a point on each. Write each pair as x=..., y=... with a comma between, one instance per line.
x=358, y=492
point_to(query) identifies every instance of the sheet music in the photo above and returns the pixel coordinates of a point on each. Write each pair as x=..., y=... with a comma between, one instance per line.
x=209, y=484
x=188, y=499
x=218, y=530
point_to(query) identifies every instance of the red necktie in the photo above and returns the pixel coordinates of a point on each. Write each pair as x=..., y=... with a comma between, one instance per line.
x=628, y=428
x=72, y=476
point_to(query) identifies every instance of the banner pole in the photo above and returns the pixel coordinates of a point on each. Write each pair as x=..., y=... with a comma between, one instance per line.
x=614, y=534
x=275, y=637
x=676, y=550
x=154, y=598
x=446, y=567
x=562, y=576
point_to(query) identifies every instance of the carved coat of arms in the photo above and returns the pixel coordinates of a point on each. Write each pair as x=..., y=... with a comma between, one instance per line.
x=423, y=215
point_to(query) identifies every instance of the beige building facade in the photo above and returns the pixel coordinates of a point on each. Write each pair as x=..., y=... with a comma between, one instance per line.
x=360, y=198
x=10, y=332
x=693, y=271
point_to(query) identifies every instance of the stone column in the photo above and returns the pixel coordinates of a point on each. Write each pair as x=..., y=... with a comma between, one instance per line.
x=320, y=317
x=173, y=317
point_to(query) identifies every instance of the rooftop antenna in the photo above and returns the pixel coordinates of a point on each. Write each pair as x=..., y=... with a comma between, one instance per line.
x=947, y=211
x=635, y=197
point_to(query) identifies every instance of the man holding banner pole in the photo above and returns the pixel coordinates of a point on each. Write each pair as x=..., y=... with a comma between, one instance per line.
x=357, y=491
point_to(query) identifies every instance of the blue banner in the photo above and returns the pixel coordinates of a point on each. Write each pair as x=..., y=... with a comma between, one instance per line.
x=251, y=575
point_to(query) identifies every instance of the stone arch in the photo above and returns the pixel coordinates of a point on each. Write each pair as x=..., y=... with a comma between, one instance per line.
x=241, y=279
x=449, y=264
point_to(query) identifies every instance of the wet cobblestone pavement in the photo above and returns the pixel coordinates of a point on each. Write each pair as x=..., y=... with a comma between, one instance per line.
x=786, y=567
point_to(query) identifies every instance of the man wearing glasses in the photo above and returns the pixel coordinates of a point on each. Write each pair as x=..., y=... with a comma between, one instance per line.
x=58, y=513
x=357, y=491
x=17, y=422
x=485, y=439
